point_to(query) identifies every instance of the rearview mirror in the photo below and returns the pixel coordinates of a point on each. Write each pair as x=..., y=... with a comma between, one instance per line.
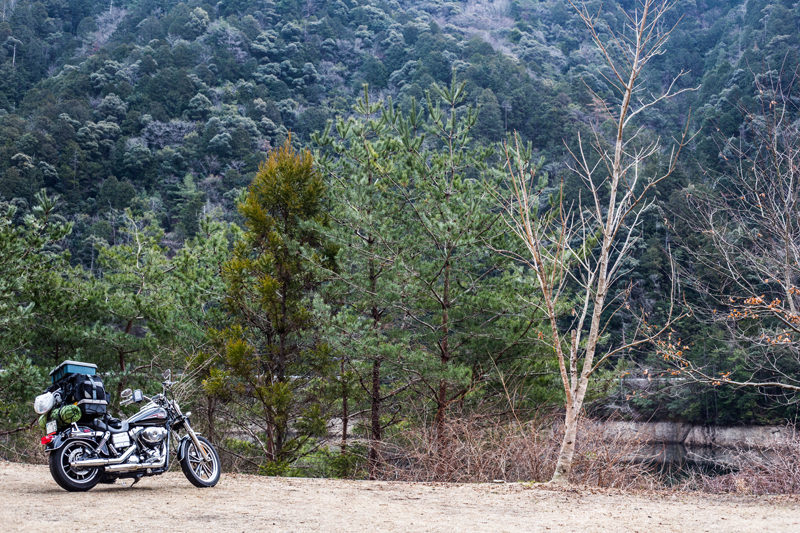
x=138, y=396
x=126, y=394
x=167, y=374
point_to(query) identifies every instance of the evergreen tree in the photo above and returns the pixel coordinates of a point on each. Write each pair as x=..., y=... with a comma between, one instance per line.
x=31, y=259
x=455, y=294
x=273, y=364
x=368, y=219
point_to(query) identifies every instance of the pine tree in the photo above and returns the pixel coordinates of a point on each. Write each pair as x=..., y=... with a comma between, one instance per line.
x=450, y=276
x=30, y=258
x=273, y=363
x=361, y=157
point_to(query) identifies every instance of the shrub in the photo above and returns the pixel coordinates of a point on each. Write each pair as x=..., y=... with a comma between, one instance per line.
x=483, y=449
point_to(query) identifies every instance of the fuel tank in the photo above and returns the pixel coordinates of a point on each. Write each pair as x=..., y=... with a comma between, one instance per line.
x=149, y=416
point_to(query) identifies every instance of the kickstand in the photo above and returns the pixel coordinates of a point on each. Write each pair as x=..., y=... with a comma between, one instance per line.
x=135, y=481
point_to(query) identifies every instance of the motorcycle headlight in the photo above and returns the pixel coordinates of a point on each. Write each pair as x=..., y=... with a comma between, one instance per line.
x=43, y=403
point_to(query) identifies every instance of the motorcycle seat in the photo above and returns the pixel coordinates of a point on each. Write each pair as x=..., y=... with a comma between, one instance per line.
x=120, y=427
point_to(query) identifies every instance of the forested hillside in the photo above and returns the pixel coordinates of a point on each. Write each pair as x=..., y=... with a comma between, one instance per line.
x=159, y=208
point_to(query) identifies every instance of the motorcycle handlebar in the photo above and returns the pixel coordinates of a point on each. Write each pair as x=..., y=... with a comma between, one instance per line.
x=129, y=401
x=145, y=398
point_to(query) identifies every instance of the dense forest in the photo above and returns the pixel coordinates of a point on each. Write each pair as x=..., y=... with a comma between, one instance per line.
x=299, y=207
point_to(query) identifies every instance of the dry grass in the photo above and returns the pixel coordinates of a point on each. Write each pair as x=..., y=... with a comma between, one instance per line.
x=756, y=471
x=481, y=449
x=23, y=447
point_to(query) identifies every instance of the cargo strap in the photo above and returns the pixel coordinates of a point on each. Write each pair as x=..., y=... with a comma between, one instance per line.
x=94, y=388
x=102, y=402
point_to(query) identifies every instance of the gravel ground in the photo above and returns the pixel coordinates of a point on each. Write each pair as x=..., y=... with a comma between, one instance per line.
x=31, y=501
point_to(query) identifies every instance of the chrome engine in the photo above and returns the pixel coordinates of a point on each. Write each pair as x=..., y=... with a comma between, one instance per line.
x=152, y=436
x=151, y=449
x=146, y=449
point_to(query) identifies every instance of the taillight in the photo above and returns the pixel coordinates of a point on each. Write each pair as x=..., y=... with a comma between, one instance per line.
x=47, y=439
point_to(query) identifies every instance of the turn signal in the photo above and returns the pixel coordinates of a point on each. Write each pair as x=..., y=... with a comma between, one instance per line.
x=47, y=439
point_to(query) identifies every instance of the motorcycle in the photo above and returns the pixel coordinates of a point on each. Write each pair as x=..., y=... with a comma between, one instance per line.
x=81, y=456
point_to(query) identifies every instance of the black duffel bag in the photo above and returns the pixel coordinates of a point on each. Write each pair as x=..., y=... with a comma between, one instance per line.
x=88, y=393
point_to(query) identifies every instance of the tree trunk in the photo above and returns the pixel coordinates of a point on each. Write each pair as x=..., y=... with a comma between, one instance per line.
x=281, y=428
x=375, y=389
x=270, y=431
x=441, y=408
x=345, y=413
x=375, y=419
x=567, y=450
x=441, y=439
x=212, y=431
x=444, y=348
x=571, y=418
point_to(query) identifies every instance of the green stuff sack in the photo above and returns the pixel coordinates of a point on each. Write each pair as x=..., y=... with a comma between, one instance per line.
x=43, y=421
x=67, y=415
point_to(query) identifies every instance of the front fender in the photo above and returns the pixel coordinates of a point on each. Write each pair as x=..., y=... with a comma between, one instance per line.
x=185, y=440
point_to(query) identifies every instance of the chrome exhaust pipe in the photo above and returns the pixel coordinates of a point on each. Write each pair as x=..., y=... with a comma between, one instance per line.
x=127, y=467
x=90, y=463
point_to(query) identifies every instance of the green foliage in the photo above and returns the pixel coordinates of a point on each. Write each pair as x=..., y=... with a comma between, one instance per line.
x=272, y=365
x=120, y=84
x=450, y=275
x=138, y=307
x=20, y=382
x=415, y=227
x=329, y=462
x=29, y=257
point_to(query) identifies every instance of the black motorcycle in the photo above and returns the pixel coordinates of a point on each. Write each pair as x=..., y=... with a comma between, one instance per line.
x=81, y=456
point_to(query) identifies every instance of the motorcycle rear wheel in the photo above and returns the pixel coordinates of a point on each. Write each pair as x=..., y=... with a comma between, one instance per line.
x=199, y=472
x=73, y=479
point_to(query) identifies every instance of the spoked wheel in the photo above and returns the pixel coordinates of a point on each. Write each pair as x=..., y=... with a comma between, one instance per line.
x=201, y=472
x=73, y=479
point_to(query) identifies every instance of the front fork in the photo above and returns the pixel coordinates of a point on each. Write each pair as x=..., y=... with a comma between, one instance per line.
x=197, y=446
x=192, y=434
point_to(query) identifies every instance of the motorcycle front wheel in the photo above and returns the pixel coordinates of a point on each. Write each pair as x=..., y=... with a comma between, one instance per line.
x=68, y=478
x=200, y=472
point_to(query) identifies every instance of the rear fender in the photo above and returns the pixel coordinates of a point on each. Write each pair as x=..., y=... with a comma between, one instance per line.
x=57, y=442
x=68, y=434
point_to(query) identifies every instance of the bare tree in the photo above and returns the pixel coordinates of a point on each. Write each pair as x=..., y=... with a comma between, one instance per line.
x=8, y=9
x=577, y=251
x=13, y=43
x=749, y=261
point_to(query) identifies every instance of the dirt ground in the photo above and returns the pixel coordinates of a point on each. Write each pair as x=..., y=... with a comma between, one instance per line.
x=31, y=501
